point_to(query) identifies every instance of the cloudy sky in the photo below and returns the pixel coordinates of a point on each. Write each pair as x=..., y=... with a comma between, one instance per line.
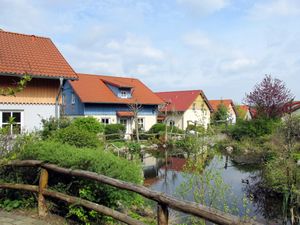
x=223, y=47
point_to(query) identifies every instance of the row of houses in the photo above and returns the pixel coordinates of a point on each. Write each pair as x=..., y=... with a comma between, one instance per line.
x=57, y=89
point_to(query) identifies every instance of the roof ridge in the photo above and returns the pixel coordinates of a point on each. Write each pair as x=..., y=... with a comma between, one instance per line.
x=157, y=92
x=109, y=76
x=21, y=34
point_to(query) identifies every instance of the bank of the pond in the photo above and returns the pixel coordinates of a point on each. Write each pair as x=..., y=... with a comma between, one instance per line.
x=243, y=180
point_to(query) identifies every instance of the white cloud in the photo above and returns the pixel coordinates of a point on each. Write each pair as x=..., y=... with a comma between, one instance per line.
x=136, y=47
x=237, y=65
x=203, y=7
x=261, y=10
x=197, y=39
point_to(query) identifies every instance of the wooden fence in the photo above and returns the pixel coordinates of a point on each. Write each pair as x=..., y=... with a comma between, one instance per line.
x=164, y=202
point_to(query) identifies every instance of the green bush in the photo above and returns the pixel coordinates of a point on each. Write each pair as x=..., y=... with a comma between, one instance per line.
x=252, y=128
x=78, y=137
x=161, y=128
x=52, y=124
x=114, y=131
x=95, y=160
x=157, y=128
x=89, y=124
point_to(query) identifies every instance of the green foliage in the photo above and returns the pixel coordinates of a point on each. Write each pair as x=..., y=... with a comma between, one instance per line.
x=134, y=147
x=4, y=91
x=52, y=124
x=77, y=137
x=252, y=128
x=157, y=128
x=95, y=160
x=221, y=114
x=197, y=128
x=89, y=124
x=160, y=128
x=114, y=131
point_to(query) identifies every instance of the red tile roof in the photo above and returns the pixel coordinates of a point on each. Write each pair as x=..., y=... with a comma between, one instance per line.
x=92, y=89
x=291, y=106
x=37, y=56
x=125, y=114
x=225, y=102
x=181, y=100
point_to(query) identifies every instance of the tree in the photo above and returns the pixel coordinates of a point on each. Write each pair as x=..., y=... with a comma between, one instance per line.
x=19, y=86
x=135, y=108
x=221, y=114
x=268, y=97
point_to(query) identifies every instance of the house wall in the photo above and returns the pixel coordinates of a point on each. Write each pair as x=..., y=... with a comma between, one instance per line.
x=31, y=114
x=200, y=115
x=248, y=115
x=70, y=109
x=37, y=91
x=232, y=115
x=35, y=102
x=296, y=112
x=177, y=117
x=117, y=91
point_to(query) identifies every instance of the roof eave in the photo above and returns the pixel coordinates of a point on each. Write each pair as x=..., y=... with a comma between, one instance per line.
x=38, y=76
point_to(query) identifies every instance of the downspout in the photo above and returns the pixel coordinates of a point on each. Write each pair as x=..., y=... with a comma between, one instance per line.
x=61, y=80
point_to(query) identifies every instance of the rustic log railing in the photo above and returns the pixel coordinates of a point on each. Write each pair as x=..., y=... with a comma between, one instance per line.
x=164, y=202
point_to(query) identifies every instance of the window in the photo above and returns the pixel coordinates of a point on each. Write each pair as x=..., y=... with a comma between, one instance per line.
x=123, y=121
x=123, y=94
x=141, y=123
x=11, y=120
x=72, y=99
x=194, y=106
x=172, y=123
x=105, y=120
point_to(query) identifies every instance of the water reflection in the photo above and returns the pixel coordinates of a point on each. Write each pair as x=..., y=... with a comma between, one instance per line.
x=243, y=180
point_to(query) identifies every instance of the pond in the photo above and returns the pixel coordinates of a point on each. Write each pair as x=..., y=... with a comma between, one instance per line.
x=246, y=195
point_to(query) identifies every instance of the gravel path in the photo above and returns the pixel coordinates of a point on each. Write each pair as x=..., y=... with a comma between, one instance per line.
x=12, y=218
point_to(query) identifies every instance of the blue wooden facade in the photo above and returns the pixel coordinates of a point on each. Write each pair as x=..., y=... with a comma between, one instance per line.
x=73, y=106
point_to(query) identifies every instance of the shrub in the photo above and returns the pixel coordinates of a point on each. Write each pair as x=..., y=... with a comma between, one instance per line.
x=94, y=160
x=200, y=129
x=161, y=128
x=253, y=128
x=114, y=131
x=157, y=128
x=78, y=137
x=52, y=124
x=90, y=124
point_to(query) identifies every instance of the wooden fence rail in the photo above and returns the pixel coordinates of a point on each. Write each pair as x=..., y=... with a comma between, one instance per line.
x=164, y=202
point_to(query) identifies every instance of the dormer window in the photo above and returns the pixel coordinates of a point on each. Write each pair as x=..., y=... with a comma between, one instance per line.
x=123, y=94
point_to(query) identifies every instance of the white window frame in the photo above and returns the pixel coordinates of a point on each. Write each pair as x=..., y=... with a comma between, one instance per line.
x=73, y=99
x=123, y=94
x=141, y=123
x=21, y=123
x=106, y=120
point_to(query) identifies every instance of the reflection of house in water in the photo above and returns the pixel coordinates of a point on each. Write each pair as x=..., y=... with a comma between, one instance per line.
x=152, y=166
x=175, y=163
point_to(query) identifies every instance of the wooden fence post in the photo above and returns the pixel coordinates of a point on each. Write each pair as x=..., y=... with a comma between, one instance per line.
x=162, y=214
x=42, y=207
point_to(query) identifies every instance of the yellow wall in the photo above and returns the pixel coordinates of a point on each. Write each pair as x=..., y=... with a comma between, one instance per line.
x=38, y=91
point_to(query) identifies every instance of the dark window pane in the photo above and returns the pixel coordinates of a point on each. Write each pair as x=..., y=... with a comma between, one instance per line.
x=16, y=129
x=5, y=117
x=17, y=116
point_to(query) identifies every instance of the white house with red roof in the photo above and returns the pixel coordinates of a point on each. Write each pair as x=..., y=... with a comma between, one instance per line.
x=183, y=108
x=109, y=98
x=38, y=57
